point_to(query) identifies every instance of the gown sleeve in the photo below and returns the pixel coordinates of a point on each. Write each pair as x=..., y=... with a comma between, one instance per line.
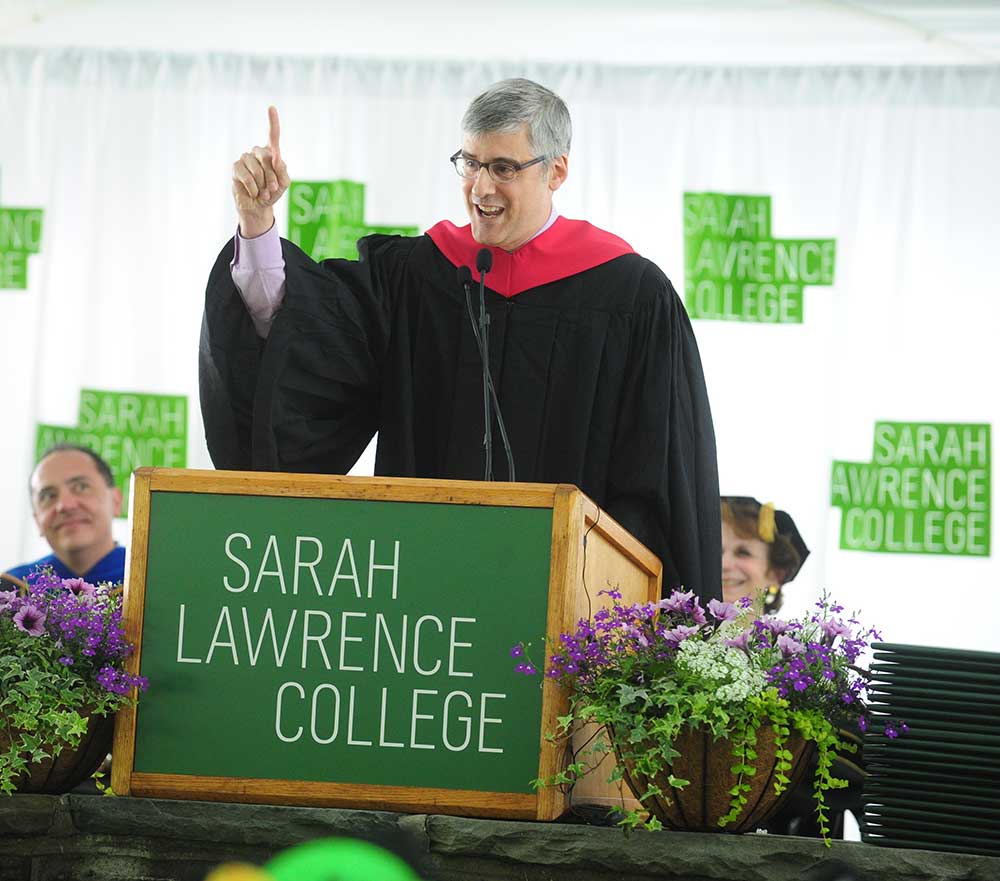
x=663, y=483
x=306, y=398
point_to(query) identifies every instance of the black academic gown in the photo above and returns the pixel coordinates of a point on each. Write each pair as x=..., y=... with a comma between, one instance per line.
x=598, y=377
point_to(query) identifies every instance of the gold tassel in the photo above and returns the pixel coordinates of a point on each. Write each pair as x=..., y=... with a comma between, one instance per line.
x=765, y=522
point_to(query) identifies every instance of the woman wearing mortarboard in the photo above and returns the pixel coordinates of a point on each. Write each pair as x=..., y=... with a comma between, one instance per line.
x=761, y=552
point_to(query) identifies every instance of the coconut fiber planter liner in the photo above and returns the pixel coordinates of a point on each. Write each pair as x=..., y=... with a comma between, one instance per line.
x=706, y=763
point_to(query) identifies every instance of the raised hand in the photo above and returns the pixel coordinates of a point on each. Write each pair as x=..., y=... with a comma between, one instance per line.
x=260, y=177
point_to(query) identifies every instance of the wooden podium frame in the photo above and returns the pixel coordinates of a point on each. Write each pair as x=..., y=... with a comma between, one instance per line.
x=582, y=536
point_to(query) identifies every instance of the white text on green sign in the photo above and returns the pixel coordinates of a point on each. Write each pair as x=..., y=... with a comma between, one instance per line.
x=734, y=269
x=926, y=491
x=326, y=218
x=20, y=235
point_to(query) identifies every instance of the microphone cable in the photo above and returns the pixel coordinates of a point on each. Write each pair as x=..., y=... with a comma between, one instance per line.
x=465, y=279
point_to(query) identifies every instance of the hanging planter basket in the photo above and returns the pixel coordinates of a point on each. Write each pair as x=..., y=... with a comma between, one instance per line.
x=72, y=766
x=706, y=763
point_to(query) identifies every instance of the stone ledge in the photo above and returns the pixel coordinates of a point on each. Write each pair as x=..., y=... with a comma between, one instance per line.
x=89, y=838
x=690, y=855
x=228, y=823
x=35, y=814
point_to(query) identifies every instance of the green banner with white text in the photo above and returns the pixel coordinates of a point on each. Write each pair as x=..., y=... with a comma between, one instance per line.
x=326, y=218
x=735, y=270
x=20, y=236
x=926, y=491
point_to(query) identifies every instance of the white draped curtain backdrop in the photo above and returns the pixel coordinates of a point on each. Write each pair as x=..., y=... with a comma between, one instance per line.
x=129, y=155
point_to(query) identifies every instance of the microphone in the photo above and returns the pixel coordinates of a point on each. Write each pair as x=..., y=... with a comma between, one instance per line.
x=464, y=276
x=484, y=261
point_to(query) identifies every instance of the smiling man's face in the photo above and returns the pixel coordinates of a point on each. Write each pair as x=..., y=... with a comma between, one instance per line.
x=74, y=507
x=506, y=215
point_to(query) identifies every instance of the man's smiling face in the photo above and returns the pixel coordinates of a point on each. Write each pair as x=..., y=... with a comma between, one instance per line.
x=74, y=506
x=506, y=215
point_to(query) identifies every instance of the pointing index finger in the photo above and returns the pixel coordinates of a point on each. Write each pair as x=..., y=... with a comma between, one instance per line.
x=274, y=131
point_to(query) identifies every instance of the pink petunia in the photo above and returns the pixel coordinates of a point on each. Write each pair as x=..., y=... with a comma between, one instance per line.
x=741, y=641
x=79, y=588
x=678, y=634
x=833, y=628
x=31, y=620
x=788, y=646
x=722, y=611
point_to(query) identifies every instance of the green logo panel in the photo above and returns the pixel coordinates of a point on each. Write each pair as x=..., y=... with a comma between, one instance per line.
x=326, y=218
x=20, y=235
x=926, y=491
x=735, y=270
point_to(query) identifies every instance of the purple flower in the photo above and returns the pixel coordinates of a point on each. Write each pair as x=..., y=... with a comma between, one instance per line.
x=775, y=625
x=66, y=661
x=30, y=619
x=517, y=651
x=741, y=641
x=7, y=598
x=862, y=724
x=80, y=588
x=680, y=633
x=676, y=601
x=890, y=731
x=788, y=646
x=833, y=629
x=683, y=603
x=722, y=611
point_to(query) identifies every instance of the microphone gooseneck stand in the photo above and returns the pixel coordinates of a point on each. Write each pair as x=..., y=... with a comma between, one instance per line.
x=480, y=330
x=484, y=263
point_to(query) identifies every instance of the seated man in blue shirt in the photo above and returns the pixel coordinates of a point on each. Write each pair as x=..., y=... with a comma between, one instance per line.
x=74, y=499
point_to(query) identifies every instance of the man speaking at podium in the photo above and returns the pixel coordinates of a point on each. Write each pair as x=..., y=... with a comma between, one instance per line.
x=595, y=374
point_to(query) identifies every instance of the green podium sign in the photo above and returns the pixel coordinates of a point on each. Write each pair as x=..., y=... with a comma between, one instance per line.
x=340, y=641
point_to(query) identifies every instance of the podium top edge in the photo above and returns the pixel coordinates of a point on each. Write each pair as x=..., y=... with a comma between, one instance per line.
x=335, y=486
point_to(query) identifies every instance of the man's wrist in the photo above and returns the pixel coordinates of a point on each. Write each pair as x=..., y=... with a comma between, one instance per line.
x=254, y=225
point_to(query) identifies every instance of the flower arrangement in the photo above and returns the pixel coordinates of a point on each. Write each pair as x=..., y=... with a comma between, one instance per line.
x=62, y=649
x=650, y=673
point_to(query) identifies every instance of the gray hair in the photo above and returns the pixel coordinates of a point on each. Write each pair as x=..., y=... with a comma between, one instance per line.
x=510, y=104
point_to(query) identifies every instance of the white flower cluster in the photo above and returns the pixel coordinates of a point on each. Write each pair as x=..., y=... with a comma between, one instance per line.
x=724, y=670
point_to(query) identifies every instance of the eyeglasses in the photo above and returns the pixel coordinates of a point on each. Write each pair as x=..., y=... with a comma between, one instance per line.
x=503, y=171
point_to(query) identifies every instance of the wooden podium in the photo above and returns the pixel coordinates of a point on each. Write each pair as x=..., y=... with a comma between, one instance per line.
x=338, y=641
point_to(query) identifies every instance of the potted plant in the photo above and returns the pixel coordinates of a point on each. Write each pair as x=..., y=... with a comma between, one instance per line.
x=62, y=677
x=712, y=713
